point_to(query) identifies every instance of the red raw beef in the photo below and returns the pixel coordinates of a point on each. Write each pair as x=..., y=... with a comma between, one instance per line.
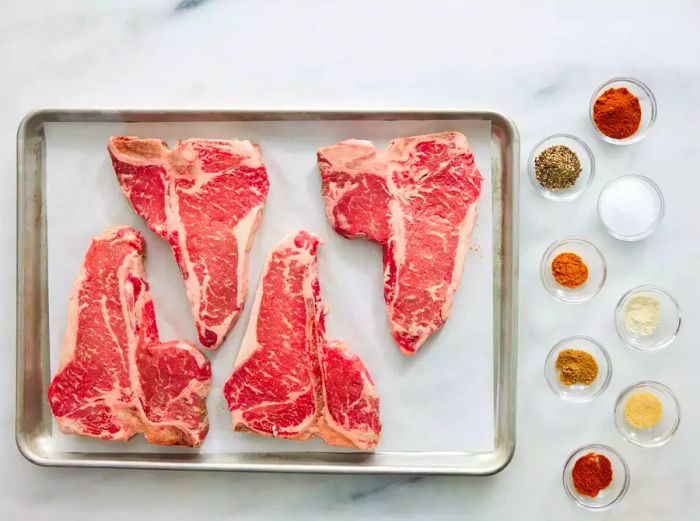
x=419, y=200
x=288, y=381
x=205, y=197
x=115, y=378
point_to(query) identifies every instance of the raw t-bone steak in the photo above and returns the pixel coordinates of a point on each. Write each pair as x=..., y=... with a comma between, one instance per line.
x=115, y=378
x=288, y=380
x=418, y=198
x=205, y=197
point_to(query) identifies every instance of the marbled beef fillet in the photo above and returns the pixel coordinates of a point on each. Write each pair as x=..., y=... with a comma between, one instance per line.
x=115, y=377
x=205, y=197
x=288, y=380
x=418, y=198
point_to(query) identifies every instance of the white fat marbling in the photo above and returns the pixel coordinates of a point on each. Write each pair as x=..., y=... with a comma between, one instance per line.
x=537, y=61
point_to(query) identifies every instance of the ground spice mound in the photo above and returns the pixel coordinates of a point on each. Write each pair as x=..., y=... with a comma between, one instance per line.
x=617, y=113
x=576, y=367
x=642, y=315
x=643, y=410
x=591, y=474
x=569, y=270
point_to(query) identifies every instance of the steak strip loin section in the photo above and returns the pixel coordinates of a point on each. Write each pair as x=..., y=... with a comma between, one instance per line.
x=418, y=199
x=288, y=381
x=205, y=197
x=115, y=378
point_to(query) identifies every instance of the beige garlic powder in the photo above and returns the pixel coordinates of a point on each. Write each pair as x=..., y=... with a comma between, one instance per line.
x=642, y=315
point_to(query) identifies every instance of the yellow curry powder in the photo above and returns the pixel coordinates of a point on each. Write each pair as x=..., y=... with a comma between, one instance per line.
x=576, y=367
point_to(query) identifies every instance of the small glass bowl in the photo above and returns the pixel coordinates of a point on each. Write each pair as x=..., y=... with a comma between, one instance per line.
x=607, y=497
x=669, y=325
x=592, y=256
x=662, y=431
x=646, y=233
x=587, y=166
x=578, y=393
x=646, y=101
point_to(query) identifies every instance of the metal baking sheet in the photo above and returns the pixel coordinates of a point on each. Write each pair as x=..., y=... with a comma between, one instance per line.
x=38, y=331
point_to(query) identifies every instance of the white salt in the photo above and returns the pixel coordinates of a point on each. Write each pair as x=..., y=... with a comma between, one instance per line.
x=629, y=207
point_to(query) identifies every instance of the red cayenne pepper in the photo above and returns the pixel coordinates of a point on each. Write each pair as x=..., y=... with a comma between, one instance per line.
x=617, y=113
x=592, y=473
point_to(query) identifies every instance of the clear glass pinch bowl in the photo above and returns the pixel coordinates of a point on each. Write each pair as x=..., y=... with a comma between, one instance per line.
x=610, y=226
x=607, y=497
x=647, y=102
x=578, y=392
x=585, y=156
x=669, y=322
x=591, y=256
x=660, y=433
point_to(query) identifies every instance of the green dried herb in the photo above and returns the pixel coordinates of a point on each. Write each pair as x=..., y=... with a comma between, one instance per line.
x=557, y=167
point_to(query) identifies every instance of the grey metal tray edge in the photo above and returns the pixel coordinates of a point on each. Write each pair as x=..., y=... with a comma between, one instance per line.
x=33, y=418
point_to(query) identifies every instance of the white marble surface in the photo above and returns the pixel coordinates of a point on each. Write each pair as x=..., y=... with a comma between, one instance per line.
x=537, y=62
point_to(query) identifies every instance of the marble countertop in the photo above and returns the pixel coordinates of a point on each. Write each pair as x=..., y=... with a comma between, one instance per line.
x=539, y=63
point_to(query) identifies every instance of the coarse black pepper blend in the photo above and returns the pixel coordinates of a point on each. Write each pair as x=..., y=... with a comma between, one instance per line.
x=557, y=167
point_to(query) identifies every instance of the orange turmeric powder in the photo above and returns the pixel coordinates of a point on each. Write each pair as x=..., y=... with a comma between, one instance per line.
x=569, y=270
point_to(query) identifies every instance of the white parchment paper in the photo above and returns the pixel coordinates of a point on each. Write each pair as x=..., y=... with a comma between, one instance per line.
x=440, y=400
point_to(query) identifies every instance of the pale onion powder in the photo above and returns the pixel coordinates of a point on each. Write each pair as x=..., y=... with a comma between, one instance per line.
x=642, y=315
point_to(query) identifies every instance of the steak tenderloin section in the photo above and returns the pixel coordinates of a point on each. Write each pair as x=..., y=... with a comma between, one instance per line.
x=418, y=198
x=205, y=197
x=288, y=381
x=115, y=378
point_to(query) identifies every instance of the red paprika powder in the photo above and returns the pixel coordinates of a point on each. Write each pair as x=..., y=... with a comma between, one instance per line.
x=591, y=474
x=617, y=113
